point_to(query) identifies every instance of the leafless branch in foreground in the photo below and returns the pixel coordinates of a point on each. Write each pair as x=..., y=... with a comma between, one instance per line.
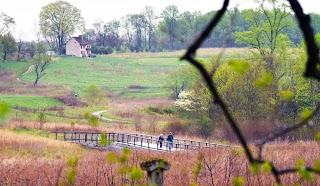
x=311, y=72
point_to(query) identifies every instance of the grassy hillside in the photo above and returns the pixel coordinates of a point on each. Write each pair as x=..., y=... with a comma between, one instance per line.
x=116, y=75
x=129, y=75
x=18, y=67
x=34, y=102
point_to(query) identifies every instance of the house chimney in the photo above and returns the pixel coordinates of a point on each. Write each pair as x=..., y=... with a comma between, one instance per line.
x=81, y=36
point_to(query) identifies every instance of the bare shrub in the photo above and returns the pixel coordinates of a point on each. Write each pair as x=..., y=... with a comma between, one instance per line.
x=176, y=127
x=71, y=100
x=137, y=122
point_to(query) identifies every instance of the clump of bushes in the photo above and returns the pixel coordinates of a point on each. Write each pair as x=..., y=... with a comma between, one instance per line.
x=71, y=100
x=102, y=50
x=161, y=110
x=176, y=127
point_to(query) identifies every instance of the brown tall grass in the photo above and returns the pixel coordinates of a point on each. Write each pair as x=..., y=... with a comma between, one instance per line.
x=21, y=145
x=33, y=160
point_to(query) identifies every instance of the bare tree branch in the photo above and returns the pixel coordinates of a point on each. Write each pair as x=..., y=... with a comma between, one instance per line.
x=311, y=71
x=192, y=49
x=308, y=34
x=289, y=129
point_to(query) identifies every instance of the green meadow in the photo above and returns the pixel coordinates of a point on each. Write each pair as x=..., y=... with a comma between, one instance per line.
x=119, y=76
x=128, y=75
x=33, y=102
x=18, y=67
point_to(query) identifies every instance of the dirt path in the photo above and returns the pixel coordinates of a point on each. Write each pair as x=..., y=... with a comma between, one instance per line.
x=26, y=72
x=99, y=115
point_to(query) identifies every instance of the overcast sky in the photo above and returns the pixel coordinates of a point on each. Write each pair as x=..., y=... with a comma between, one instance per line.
x=26, y=12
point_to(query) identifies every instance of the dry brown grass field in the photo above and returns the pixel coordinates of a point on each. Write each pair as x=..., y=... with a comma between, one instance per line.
x=34, y=160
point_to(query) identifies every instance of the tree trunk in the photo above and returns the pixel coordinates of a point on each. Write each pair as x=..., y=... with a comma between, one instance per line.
x=36, y=82
x=37, y=78
x=5, y=56
x=149, y=41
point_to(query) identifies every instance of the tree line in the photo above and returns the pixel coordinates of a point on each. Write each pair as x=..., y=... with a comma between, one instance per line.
x=172, y=30
x=150, y=32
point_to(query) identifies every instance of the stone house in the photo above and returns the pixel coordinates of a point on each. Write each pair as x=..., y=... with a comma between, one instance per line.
x=78, y=46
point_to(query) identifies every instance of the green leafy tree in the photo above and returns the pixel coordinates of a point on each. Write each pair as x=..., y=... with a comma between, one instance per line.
x=92, y=120
x=98, y=33
x=266, y=27
x=9, y=46
x=179, y=81
x=95, y=95
x=4, y=110
x=31, y=49
x=315, y=22
x=150, y=27
x=42, y=119
x=58, y=21
x=266, y=34
x=104, y=35
x=126, y=25
x=170, y=16
x=111, y=30
x=139, y=22
x=306, y=90
x=236, y=80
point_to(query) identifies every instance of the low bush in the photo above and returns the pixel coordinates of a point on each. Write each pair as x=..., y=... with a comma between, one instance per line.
x=169, y=110
x=161, y=110
x=176, y=127
x=155, y=109
x=71, y=100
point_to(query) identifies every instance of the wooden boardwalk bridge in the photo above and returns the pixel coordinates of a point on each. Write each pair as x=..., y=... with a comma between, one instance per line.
x=98, y=139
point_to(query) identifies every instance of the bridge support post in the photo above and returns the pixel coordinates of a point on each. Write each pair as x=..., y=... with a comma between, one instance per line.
x=155, y=170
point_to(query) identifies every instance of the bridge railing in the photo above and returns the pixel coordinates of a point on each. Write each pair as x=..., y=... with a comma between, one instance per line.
x=136, y=140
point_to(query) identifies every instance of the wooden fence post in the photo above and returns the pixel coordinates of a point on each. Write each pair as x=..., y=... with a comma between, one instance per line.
x=155, y=170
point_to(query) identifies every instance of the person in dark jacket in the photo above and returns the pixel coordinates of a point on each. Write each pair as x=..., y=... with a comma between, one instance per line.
x=170, y=140
x=160, y=140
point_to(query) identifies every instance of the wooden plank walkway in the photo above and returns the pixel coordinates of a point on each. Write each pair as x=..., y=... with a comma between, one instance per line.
x=98, y=139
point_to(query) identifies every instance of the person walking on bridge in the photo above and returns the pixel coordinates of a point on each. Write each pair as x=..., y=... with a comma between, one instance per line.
x=160, y=140
x=170, y=140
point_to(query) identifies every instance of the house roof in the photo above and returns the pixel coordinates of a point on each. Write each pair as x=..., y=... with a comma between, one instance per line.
x=82, y=40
